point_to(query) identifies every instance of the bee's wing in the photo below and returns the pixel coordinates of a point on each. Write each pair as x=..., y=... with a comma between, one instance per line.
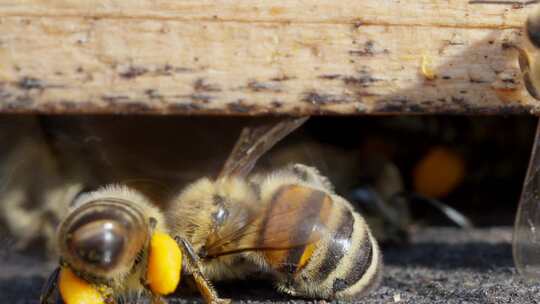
x=295, y=217
x=254, y=142
x=526, y=239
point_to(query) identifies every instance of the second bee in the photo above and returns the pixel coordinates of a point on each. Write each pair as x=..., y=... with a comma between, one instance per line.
x=288, y=223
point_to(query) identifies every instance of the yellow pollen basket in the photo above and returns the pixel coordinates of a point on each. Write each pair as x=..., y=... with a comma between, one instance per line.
x=75, y=290
x=164, y=264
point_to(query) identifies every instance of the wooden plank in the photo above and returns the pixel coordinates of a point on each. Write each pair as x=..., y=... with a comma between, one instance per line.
x=257, y=57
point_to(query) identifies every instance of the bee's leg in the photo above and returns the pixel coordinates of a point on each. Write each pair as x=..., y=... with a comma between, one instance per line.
x=50, y=287
x=158, y=300
x=194, y=268
x=154, y=298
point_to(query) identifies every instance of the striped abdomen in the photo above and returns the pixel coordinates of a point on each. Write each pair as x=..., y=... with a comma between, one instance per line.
x=330, y=251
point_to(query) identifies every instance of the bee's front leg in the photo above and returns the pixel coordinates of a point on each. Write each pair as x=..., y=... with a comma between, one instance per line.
x=194, y=267
x=50, y=287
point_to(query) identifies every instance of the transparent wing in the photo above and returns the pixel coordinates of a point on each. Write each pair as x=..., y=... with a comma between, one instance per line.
x=297, y=216
x=254, y=142
x=526, y=240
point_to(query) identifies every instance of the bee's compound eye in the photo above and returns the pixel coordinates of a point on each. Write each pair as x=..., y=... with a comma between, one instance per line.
x=99, y=243
x=533, y=30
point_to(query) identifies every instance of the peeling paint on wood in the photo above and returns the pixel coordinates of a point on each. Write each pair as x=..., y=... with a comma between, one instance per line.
x=250, y=58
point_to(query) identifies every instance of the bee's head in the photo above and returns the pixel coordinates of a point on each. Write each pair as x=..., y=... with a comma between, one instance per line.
x=103, y=237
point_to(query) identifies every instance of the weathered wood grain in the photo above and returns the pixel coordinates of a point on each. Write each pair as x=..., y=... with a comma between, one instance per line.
x=257, y=57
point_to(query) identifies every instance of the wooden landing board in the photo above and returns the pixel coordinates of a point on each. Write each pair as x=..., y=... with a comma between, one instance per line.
x=258, y=57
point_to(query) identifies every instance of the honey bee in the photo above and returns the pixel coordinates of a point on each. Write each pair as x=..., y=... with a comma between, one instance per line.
x=34, y=192
x=288, y=223
x=107, y=244
x=115, y=246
